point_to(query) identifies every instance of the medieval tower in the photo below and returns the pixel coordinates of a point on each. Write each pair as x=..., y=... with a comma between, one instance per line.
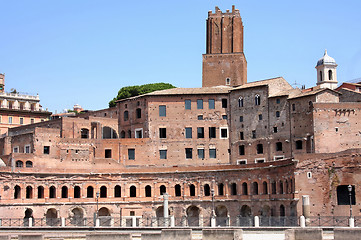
x=224, y=62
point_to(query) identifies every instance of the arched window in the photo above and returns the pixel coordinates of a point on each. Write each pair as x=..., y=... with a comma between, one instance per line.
x=220, y=189
x=228, y=81
x=162, y=190
x=244, y=188
x=103, y=192
x=281, y=187
x=330, y=77
x=109, y=133
x=64, y=192
x=273, y=186
x=265, y=187
x=52, y=192
x=76, y=192
x=132, y=191
x=207, y=190
x=240, y=102
x=89, y=192
x=321, y=76
x=126, y=115
x=29, y=192
x=29, y=164
x=257, y=100
x=117, y=191
x=84, y=133
x=255, y=188
x=234, y=189
x=286, y=187
x=178, y=190
x=148, y=191
x=19, y=164
x=17, y=192
x=122, y=134
x=40, y=192
x=192, y=190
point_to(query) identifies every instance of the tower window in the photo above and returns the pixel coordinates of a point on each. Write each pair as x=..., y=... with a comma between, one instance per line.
x=240, y=102
x=257, y=100
x=321, y=76
x=228, y=81
x=330, y=75
x=241, y=135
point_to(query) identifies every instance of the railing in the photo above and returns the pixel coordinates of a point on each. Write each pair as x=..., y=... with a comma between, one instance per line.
x=194, y=222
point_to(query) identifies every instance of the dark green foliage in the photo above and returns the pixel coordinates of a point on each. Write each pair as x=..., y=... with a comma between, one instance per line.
x=131, y=91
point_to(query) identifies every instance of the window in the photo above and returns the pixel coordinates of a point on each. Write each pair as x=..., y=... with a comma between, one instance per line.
x=278, y=101
x=76, y=192
x=89, y=192
x=240, y=102
x=46, y=150
x=163, y=154
x=187, y=104
x=131, y=154
x=148, y=191
x=189, y=153
x=234, y=189
x=212, y=153
x=260, y=117
x=343, y=195
x=241, y=150
x=257, y=100
x=132, y=191
x=84, y=133
x=19, y=164
x=139, y=113
x=212, y=132
x=265, y=187
x=259, y=160
x=299, y=144
x=15, y=149
x=200, y=117
x=241, y=119
x=224, y=117
x=224, y=103
x=188, y=132
x=242, y=161
x=255, y=188
x=10, y=120
x=244, y=188
x=162, y=190
x=200, y=153
x=207, y=190
x=278, y=114
x=162, y=133
x=241, y=135
x=178, y=190
x=220, y=189
x=21, y=121
x=211, y=104
x=32, y=120
x=275, y=129
x=200, y=132
x=117, y=191
x=64, y=192
x=192, y=190
x=40, y=192
x=329, y=74
x=321, y=76
x=259, y=149
x=162, y=110
x=126, y=115
x=139, y=133
x=278, y=146
x=29, y=164
x=200, y=104
x=253, y=133
x=224, y=132
x=293, y=107
x=103, y=191
x=108, y=153
x=228, y=81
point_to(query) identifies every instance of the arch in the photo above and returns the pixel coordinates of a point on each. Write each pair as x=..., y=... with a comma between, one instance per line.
x=244, y=189
x=103, y=191
x=265, y=187
x=17, y=192
x=19, y=164
x=178, y=190
x=77, y=217
x=257, y=99
x=104, y=216
x=240, y=102
x=207, y=190
x=52, y=192
x=245, y=211
x=84, y=133
x=222, y=215
x=122, y=134
x=234, y=189
x=109, y=133
x=330, y=77
x=29, y=164
x=64, y=192
x=40, y=192
x=148, y=191
x=77, y=193
x=117, y=191
x=162, y=190
x=89, y=192
x=28, y=213
x=29, y=192
x=103, y=212
x=220, y=189
x=266, y=211
x=282, y=211
x=51, y=217
x=133, y=191
x=255, y=188
x=193, y=216
x=281, y=187
x=192, y=190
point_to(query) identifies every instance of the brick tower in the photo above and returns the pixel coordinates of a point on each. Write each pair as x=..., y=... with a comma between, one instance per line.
x=224, y=62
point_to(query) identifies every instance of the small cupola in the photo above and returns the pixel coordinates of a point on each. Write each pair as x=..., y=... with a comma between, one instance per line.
x=326, y=72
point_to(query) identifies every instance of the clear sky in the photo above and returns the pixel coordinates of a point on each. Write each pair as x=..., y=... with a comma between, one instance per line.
x=84, y=51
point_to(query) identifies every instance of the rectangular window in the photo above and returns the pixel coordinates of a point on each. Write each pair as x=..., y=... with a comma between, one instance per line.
x=187, y=104
x=224, y=117
x=46, y=149
x=259, y=149
x=275, y=129
x=10, y=120
x=241, y=119
x=212, y=153
x=163, y=154
x=131, y=154
x=15, y=149
x=162, y=111
x=27, y=149
x=189, y=152
x=200, y=153
x=224, y=132
x=254, y=134
x=241, y=135
x=126, y=116
x=260, y=117
x=278, y=114
x=108, y=153
x=21, y=121
x=162, y=133
x=200, y=104
x=241, y=150
x=224, y=103
x=211, y=104
x=139, y=133
x=293, y=107
x=188, y=132
x=200, y=132
x=212, y=132
x=278, y=101
x=200, y=117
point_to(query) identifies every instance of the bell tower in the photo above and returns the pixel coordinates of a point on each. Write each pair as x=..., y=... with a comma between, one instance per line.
x=326, y=72
x=224, y=62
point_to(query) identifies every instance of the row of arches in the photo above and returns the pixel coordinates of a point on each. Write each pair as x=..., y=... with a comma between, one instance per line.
x=20, y=164
x=107, y=133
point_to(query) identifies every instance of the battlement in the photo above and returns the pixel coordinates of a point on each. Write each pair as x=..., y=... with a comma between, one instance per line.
x=219, y=13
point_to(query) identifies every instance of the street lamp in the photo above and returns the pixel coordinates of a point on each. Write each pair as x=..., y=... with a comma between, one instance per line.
x=213, y=213
x=97, y=195
x=349, y=187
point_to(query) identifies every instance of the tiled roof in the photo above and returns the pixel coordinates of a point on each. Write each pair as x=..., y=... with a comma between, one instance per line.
x=313, y=92
x=276, y=85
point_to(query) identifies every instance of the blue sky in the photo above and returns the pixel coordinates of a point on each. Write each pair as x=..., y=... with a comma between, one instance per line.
x=83, y=52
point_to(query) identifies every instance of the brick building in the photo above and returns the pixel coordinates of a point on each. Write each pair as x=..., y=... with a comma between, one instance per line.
x=250, y=148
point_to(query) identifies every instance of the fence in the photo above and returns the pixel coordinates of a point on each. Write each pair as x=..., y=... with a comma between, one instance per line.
x=194, y=222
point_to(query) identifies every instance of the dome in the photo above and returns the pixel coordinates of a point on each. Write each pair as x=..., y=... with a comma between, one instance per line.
x=326, y=60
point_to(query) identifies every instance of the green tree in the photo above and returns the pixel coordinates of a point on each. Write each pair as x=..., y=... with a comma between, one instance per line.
x=131, y=91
